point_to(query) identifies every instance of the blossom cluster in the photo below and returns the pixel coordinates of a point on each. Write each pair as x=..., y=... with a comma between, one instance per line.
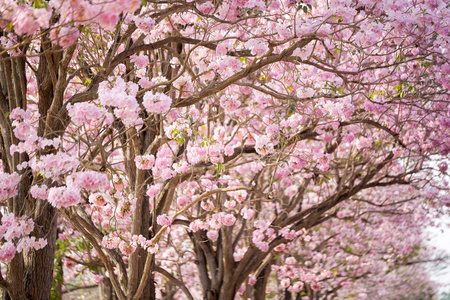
x=15, y=235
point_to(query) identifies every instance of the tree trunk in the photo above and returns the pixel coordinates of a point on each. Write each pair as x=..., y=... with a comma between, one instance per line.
x=261, y=282
x=106, y=290
x=39, y=264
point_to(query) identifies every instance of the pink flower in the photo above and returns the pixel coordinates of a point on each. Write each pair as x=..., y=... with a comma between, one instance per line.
x=108, y=20
x=7, y=252
x=20, y=114
x=8, y=188
x=152, y=248
x=96, y=279
x=263, y=145
x=212, y=234
x=164, y=220
x=251, y=279
x=290, y=261
x=256, y=47
x=157, y=103
x=229, y=103
x=247, y=213
x=206, y=7
x=230, y=204
x=153, y=190
x=263, y=246
x=64, y=36
x=98, y=199
x=145, y=24
x=183, y=200
x=228, y=219
x=110, y=242
x=297, y=286
x=23, y=131
x=296, y=163
x=124, y=209
x=90, y=180
x=144, y=162
x=141, y=61
x=181, y=167
x=167, y=173
x=63, y=196
x=144, y=82
x=82, y=113
x=285, y=283
x=126, y=248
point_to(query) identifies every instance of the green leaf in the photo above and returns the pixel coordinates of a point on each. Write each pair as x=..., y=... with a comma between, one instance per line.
x=305, y=9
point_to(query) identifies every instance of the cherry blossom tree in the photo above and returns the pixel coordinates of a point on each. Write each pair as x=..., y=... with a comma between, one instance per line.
x=219, y=149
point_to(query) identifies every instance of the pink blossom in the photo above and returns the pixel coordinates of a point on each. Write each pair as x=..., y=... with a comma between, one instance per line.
x=82, y=113
x=263, y=145
x=24, y=131
x=90, y=180
x=145, y=24
x=157, y=103
x=167, y=173
x=126, y=248
x=20, y=114
x=290, y=261
x=251, y=279
x=229, y=103
x=64, y=196
x=124, y=209
x=297, y=286
x=154, y=190
x=7, y=252
x=230, y=204
x=247, y=213
x=181, y=167
x=207, y=205
x=8, y=188
x=164, y=220
x=212, y=234
x=228, y=219
x=108, y=20
x=183, y=200
x=206, y=7
x=272, y=129
x=141, y=61
x=144, y=162
x=285, y=283
x=152, y=247
x=110, y=242
x=263, y=246
x=144, y=82
x=96, y=279
x=64, y=36
x=98, y=199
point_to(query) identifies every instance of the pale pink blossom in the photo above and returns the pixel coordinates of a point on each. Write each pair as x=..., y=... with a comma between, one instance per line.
x=212, y=234
x=157, y=103
x=144, y=162
x=164, y=220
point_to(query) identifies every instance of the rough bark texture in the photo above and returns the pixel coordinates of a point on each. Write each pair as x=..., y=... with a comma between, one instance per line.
x=39, y=264
x=31, y=274
x=106, y=290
